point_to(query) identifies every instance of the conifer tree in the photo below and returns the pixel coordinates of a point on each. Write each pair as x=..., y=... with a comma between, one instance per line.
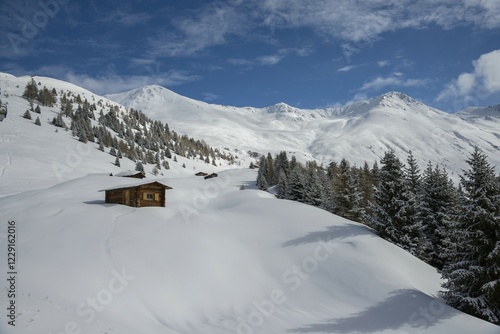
x=341, y=188
x=312, y=187
x=31, y=90
x=262, y=174
x=366, y=184
x=389, y=199
x=409, y=214
x=282, y=185
x=27, y=115
x=117, y=162
x=37, y=121
x=472, y=272
x=281, y=163
x=295, y=191
x=139, y=167
x=438, y=197
x=356, y=211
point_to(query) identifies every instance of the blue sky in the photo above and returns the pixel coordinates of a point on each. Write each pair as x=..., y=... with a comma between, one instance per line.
x=306, y=53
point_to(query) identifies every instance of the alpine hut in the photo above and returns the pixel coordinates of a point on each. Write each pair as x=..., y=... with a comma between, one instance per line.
x=138, y=195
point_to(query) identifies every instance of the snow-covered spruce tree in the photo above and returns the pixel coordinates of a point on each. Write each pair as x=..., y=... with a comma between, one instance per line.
x=438, y=201
x=389, y=199
x=327, y=191
x=31, y=90
x=270, y=170
x=366, y=183
x=262, y=175
x=117, y=162
x=341, y=188
x=282, y=185
x=281, y=163
x=312, y=186
x=295, y=191
x=472, y=272
x=347, y=195
x=139, y=167
x=37, y=121
x=356, y=211
x=409, y=214
x=27, y=115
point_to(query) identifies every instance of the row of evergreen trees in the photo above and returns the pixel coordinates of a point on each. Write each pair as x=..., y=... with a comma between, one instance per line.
x=43, y=95
x=128, y=132
x=454, y=229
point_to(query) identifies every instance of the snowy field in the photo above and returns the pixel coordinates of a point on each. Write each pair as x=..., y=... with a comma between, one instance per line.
x=216, y=259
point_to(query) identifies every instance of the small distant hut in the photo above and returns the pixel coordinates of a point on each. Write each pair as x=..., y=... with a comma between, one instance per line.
x=3, y=112
x=138, y=195
x=211, y=176
x=132, y=173
x=201, y=174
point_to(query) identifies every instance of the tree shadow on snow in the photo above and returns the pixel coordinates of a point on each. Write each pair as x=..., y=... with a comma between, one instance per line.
x=402, y=307
x=331, y=233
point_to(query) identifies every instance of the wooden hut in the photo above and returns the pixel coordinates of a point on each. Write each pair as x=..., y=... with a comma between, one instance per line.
x=3, y=112
x=138, y=194
x=201, y=174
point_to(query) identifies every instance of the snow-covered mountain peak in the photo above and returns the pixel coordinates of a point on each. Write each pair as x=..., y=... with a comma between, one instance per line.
x=280, y=107
x=395, y=99
x=151, y=94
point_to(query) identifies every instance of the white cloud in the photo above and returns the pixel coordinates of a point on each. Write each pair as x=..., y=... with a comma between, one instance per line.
x=121, y=17
x=394, y=80
x=347, y=68
x=240, y=62
x=209, y=26
x=487, y=71
x=273, y=59
x=383, y=63
x=482, y=82
x=356, y=22
x=210, y=96
x=270, y=60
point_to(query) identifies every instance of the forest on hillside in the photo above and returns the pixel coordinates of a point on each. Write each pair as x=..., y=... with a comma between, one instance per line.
x=454, y=228
x=123, y=133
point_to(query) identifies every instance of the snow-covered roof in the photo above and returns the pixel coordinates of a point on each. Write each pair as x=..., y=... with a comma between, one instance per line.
x=128, y=173
x=135, y=184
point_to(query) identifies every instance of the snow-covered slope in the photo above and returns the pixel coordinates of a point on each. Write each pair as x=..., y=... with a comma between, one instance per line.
x=359, y=132
x=37, y=156
x=215, y=260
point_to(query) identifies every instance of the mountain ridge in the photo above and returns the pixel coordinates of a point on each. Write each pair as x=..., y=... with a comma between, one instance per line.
x=360, y=131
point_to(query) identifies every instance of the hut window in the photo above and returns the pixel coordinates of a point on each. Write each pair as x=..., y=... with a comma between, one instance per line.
x=149, y=196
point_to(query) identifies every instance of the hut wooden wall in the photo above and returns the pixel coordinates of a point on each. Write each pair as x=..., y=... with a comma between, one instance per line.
x=157, y=191
x=137, y=196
